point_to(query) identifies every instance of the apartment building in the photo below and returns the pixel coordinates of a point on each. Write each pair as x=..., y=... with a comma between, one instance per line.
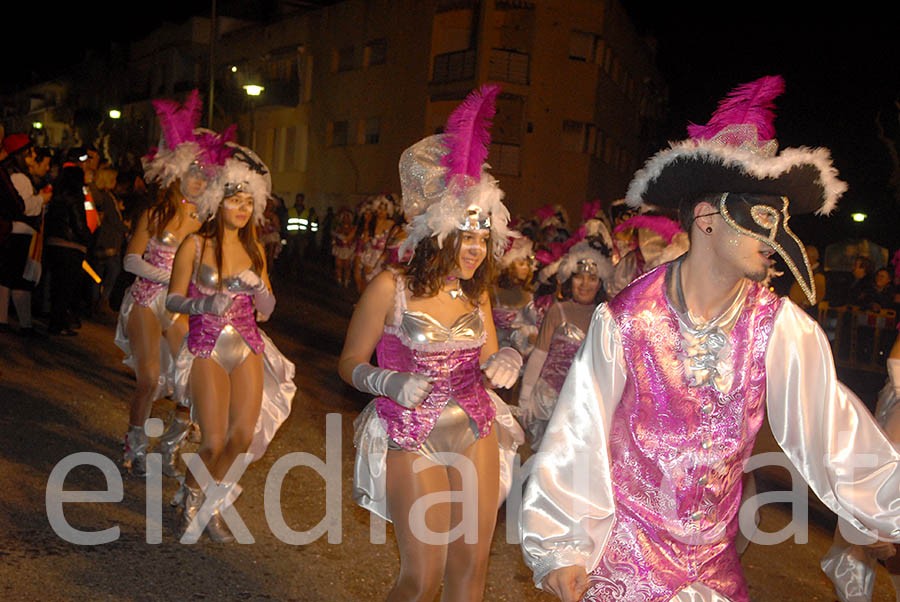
x=346, y=87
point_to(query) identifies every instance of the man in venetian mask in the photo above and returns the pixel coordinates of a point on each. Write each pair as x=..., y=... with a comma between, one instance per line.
x=635, y=491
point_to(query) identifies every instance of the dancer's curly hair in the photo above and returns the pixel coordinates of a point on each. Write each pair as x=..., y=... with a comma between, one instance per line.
x=430, y=265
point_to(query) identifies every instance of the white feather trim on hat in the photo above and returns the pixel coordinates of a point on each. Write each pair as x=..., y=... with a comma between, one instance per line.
x=521, y=248
x=442, y=218
x=757, y=166
x=583, y=251
x=168, y=165
x=245, y=173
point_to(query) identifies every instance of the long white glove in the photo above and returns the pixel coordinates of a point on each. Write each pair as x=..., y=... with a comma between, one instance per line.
x=893, y=370
x=263, y=298
x=138, y=266
x=533, y=366
x=216, y=304
x=406, y=388
x=502, y=368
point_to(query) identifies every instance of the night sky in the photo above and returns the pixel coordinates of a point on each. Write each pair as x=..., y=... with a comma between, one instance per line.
x=840, y=69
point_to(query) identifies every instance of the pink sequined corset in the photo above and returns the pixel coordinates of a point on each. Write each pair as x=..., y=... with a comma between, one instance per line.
x=205, y=328
x=503, y=317
x=450, y=356
x=160, y=254
x=677, y=452
x=564, y=345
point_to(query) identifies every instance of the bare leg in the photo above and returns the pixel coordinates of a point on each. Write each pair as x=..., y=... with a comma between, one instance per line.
x=144, y=337
x=243, y=411
x=466, y=569
x=210, y=390
x=421, y=564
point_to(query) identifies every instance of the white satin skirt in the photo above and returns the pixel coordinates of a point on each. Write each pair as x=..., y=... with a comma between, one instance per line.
x=165, y=386
x=278, y=392
x=371, y=441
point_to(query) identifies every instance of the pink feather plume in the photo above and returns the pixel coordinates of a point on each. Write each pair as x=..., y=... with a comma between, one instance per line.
x=590, y=209
x=468, y=133
x=178, y=121
x=748, y=103
x=659, y=224
x=213, y=146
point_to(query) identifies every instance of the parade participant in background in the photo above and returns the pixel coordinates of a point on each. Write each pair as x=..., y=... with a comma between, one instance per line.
x=635, y=492
x=365, y=223
x=374, y=255
x=850, y=567
x=430, y=322
x=511, y=296
x=654, y=240
x=342, y=245
x=18, y=271
x=66, y=241
x=581, y=273
x=395, y=240
x=108, y=240
x=148, y=333
x=241, y=386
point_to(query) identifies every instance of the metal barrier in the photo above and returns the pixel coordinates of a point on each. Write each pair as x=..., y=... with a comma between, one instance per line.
x=860, y=339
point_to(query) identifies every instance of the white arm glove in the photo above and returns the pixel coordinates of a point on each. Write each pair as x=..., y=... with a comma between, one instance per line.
x=893, y=370
x=406, y=388
x=263, y=298
x=216, y=304
x=136, y=264
x=532, y=372
x=502, y=368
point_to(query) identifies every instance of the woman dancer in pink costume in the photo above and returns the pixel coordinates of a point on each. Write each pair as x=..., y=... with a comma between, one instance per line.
x=431, y=325
x=147, y=332
x=241, y=386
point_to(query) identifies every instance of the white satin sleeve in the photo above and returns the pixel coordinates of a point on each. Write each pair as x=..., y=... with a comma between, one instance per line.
x=826, y=431
x=567, y=508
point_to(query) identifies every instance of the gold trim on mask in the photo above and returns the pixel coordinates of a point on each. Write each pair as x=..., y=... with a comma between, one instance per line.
x=763, y=215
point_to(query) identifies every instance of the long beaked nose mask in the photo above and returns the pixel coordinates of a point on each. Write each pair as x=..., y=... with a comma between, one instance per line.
x=765, y=218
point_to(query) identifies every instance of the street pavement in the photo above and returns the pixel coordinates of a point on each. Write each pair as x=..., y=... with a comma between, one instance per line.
x=61, y=396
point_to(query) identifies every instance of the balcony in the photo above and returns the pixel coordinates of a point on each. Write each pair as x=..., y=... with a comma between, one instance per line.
x=453, y=67
x=509, y=66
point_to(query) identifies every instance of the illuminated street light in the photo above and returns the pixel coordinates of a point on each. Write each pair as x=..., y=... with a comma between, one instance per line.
x=859, y=217
x=37, y=125
x=115, y=114
x=253, y=89
x=234, y=68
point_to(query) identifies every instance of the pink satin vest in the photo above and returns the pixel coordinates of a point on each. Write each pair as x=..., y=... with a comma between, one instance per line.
x=677, y=452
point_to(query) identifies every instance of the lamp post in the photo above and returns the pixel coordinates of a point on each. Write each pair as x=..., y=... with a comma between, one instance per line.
x=253, y=91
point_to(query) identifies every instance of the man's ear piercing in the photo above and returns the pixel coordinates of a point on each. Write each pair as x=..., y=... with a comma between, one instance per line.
x=709, y=229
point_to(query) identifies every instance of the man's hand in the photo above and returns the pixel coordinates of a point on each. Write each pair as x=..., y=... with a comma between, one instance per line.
x=568, y=583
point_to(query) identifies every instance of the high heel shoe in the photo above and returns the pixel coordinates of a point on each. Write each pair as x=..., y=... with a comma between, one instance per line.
x=170, y=444
x=135, y=455
x=192, y=500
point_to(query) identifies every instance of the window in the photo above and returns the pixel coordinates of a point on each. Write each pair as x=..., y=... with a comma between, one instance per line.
x=346, y=58
x=508, y=66
x=369, y=131
x=581, y=46
x=504, y=159
x=339, y=130
x=375, y=53
x=290, y=149
x=578, y=137
x=572, y=135
x=453, y=66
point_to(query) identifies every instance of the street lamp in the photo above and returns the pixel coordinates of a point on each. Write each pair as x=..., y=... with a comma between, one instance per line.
x=37, y=125
x=115, y=114
x=858, y=217
x=253, y=90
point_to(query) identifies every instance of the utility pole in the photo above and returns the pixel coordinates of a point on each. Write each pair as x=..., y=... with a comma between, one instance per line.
x=212, y=65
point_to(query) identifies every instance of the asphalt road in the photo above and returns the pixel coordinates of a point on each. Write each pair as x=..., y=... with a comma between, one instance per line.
x=61, y=396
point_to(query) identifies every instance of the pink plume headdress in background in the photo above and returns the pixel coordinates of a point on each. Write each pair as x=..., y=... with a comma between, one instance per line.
x=178, y=121
x=663, y=226
x=444, y=178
